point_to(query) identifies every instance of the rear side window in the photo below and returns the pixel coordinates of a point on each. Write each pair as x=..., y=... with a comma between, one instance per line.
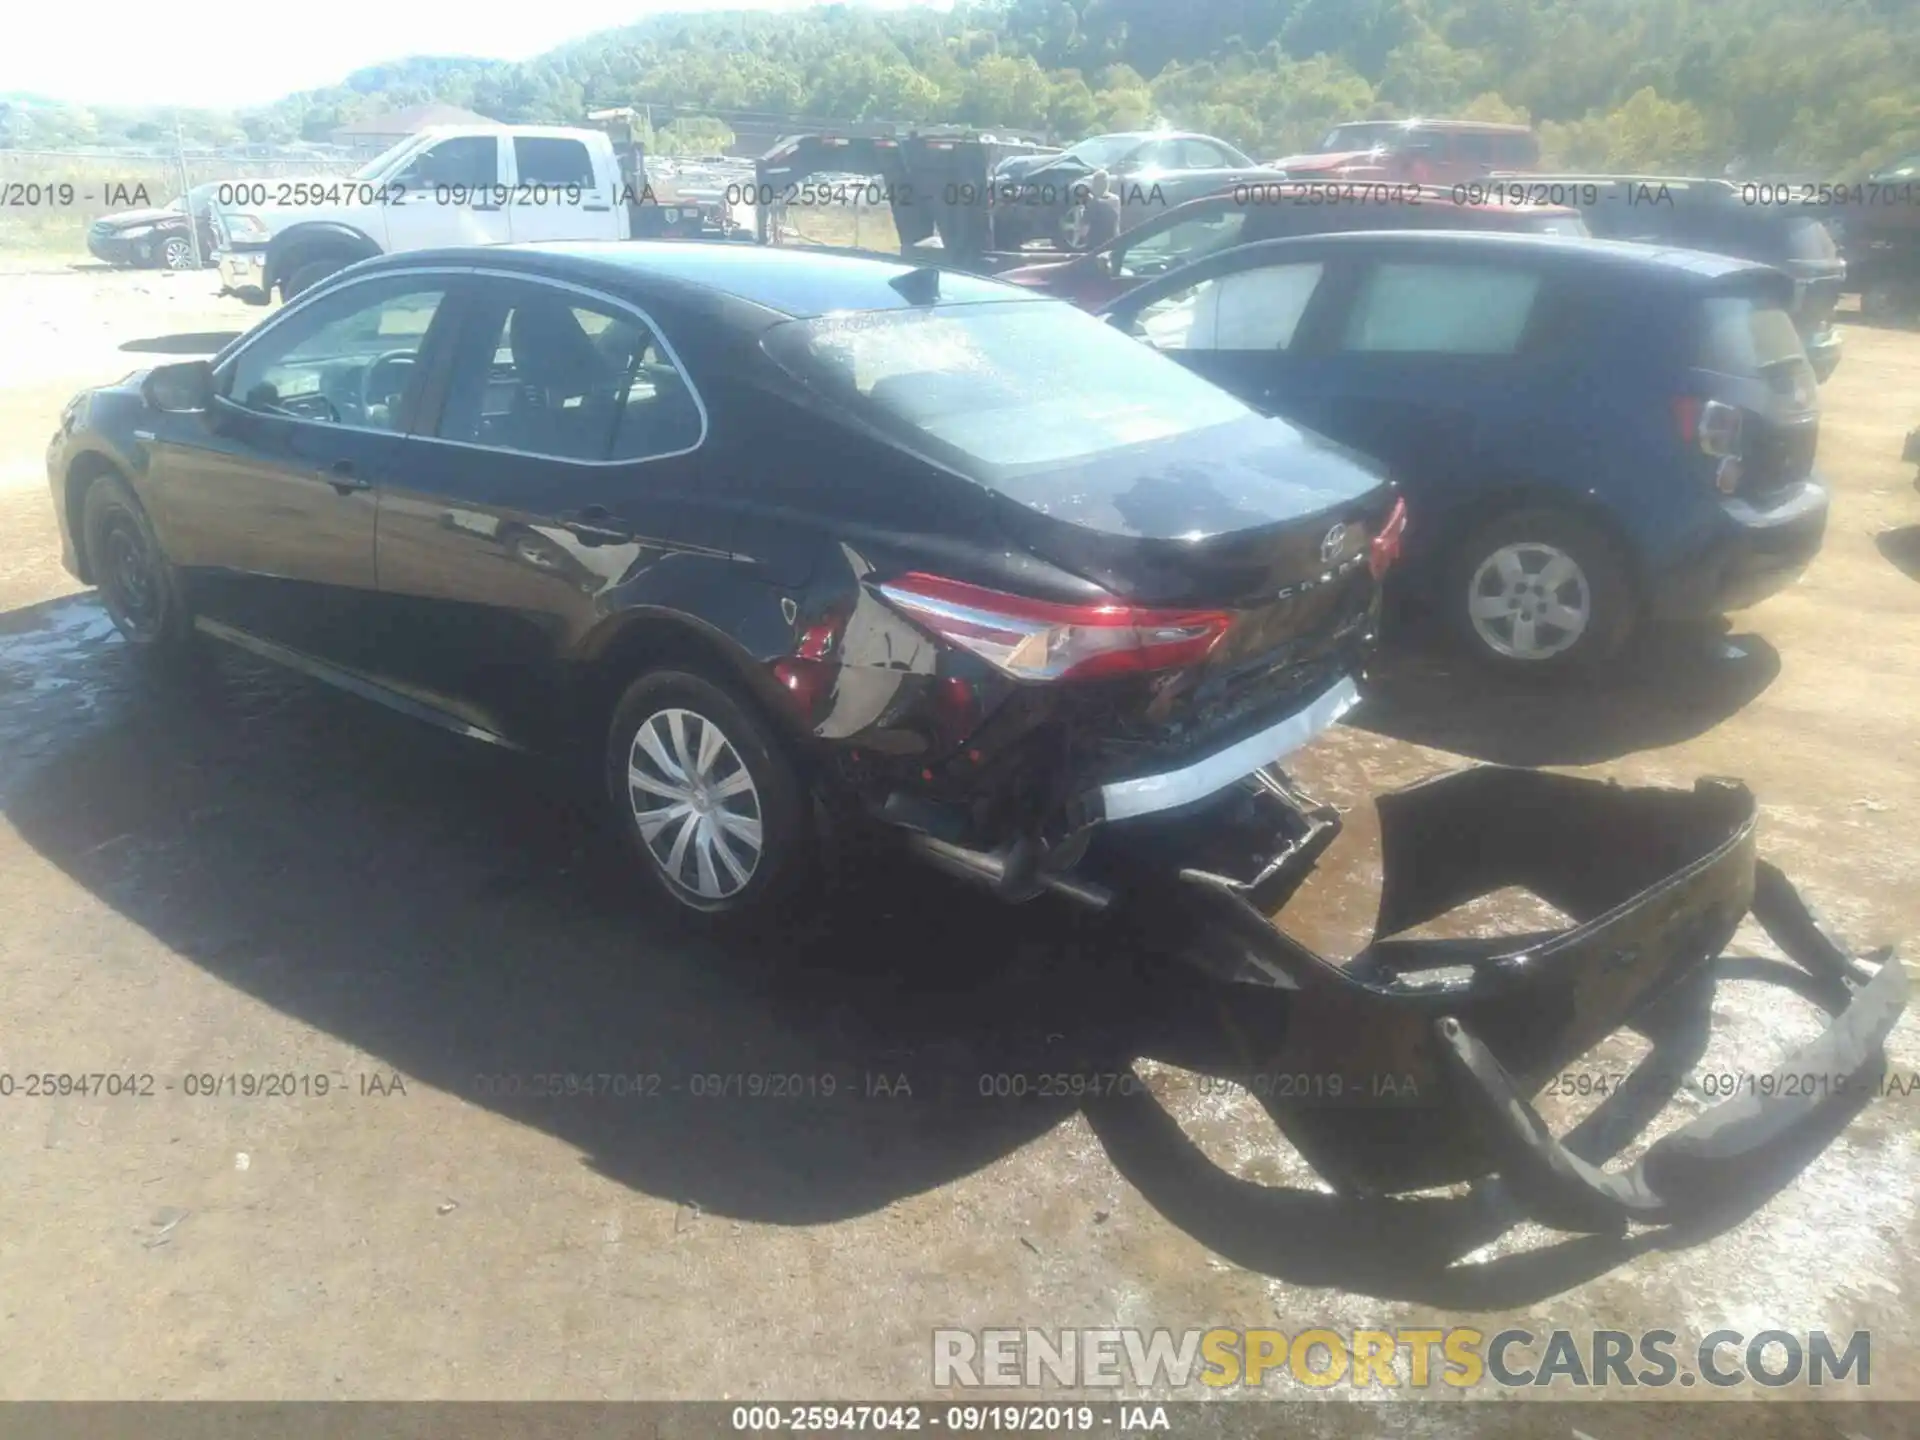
x=1441, y=310
x=569, y=378
x=1749, y=336
x=1181, y=243
x=551, y=160
x=1516, y=152
x=1475, y=146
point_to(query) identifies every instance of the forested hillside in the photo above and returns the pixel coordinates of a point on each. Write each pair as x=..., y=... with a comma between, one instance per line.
x=1767, y=84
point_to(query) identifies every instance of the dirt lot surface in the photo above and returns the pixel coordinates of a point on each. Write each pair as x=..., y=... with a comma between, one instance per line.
x=244, y=875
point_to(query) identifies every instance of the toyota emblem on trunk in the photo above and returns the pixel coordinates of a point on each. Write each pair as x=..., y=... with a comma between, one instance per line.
x=1333, y=544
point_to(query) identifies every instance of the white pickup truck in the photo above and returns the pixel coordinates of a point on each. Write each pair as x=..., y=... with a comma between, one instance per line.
x=449, y=185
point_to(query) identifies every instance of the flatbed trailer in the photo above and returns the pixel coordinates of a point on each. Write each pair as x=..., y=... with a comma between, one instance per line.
x=938, y=185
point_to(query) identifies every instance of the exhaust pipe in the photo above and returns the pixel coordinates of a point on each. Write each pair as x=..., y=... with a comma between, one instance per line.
x=993, y=871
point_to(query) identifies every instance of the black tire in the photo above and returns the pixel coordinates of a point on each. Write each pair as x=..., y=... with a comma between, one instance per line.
x=138, y=584
x=308, y=275
x=176, y=253
x=707, y=888
x=1526, y=640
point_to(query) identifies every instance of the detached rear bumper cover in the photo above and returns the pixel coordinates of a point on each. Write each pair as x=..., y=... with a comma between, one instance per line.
x=1656, y=881
x=1171, y=789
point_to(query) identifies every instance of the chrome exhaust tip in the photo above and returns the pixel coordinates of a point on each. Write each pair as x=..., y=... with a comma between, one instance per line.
x=991, y=869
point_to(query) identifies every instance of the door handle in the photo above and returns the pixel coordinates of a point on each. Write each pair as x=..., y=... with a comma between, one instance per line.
x=340, y=475
x=593, y=525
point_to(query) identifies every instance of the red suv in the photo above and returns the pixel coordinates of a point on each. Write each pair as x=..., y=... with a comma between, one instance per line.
x=1425, y=152
x=1272, y=212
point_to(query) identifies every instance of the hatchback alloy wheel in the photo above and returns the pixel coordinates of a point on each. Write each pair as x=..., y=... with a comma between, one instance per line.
x=1530, y=601
x=177, y=254
x=695, y=804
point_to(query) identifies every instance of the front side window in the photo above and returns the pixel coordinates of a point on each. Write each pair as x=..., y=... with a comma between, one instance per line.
x=563, y=376
x=1000, y=387
x=471, y=161
x=348, y=358
x=1180, y=244
x=1426, y=309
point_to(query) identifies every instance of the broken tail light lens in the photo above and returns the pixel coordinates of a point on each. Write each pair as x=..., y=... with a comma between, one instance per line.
x=1044, y=640
x=1384, y=551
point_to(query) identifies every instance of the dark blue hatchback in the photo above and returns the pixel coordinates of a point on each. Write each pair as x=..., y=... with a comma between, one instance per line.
x=1592, y=436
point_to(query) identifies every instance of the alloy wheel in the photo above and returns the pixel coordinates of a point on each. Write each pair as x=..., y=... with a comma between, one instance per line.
x=695, y=803
x=177, y=254
x=1529, y=601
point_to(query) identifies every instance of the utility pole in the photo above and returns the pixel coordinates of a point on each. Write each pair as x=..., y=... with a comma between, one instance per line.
x=186, y=192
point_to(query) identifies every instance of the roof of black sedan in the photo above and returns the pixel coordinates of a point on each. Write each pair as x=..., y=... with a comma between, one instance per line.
x=1466, y=244
x=794, y=281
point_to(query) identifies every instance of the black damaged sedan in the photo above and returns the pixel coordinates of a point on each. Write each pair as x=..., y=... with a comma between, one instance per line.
x=775, y=538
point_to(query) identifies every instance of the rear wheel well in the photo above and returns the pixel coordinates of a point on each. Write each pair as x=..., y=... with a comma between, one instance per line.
x=1507, y=499
x=85, y=469
x=655, y=644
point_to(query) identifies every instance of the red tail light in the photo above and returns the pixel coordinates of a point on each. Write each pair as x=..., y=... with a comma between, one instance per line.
x=1686, y=414
x=1042, y=640
x=1385, y=549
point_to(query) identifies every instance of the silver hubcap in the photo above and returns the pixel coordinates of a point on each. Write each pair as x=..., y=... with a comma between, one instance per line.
x=178, y=254
x=695, y=804
x=1529, y=601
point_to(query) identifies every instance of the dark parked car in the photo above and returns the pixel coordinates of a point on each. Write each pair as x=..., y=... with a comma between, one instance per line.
x=157, y=239
x=751, y=527
x=1591, y=435
x=1877, y=223
x=1749, y=221
x=1042, y=197
x=1250, y=213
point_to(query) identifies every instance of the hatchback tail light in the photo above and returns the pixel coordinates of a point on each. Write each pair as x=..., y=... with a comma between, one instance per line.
x=1044, y=640
x=1385, y=549
x=1713, y=426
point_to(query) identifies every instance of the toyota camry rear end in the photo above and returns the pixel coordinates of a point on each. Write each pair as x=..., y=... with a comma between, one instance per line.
x=1075, y=588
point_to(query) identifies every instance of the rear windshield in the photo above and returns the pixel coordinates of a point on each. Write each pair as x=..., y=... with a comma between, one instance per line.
x=1749, y=335
x=1006, y=386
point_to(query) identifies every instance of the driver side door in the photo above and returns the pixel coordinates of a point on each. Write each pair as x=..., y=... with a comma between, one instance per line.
x=271, y=495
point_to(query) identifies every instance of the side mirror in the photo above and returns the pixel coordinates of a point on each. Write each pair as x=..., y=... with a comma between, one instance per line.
x=183, y=389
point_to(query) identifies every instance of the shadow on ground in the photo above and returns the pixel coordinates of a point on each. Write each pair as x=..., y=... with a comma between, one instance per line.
x=1671, y=690
x=204, y=342
x=457, y=914
x=1902, y=549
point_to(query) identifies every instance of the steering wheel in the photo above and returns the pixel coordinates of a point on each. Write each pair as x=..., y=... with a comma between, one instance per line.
x=371, y=394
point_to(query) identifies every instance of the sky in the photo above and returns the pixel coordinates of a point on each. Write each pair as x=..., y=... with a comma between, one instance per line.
x=133, y=52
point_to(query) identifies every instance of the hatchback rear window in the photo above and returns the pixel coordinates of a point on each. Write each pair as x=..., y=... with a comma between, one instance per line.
x=1747, y=335
x=1002, y=385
